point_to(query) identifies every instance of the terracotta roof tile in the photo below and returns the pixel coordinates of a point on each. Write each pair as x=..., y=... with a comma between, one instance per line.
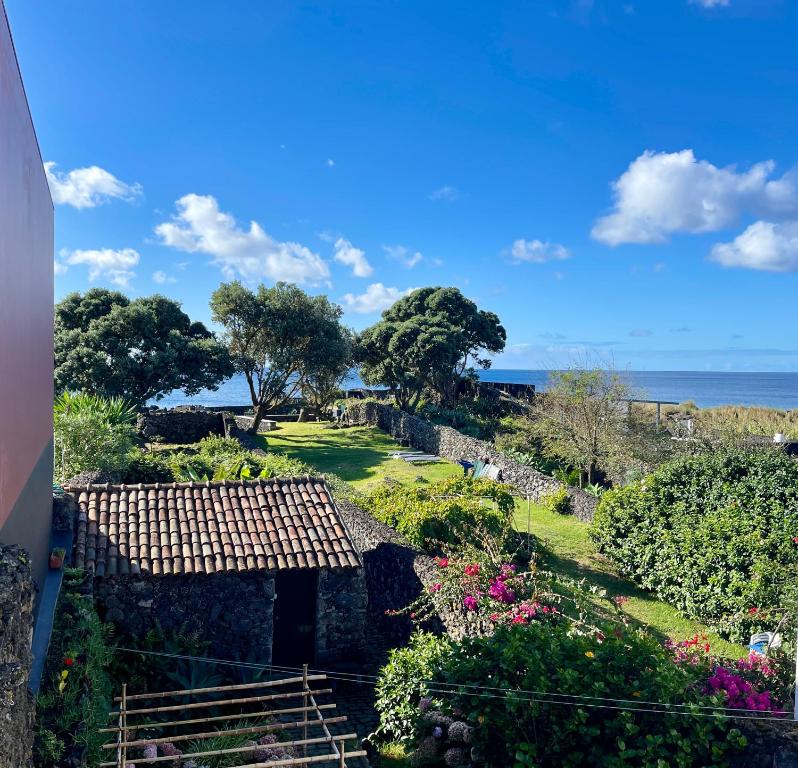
x=179, y=528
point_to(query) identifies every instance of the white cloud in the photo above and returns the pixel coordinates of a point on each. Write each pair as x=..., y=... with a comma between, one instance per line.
x=640, y=333
x=710, y=3
x=445, y=193
x=200, y=227
x=403, y=254
x=764, y=245
x=115, y=266
x=330, y=162
x=160, y=277
x=88, y=187
x=538, y=252
x=375, y=298
x=664, y=193
x=59, y=267
x=346, y=253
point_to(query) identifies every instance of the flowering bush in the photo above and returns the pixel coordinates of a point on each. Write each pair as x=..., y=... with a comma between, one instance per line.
x=444, y=513
x=489, y=590
x=542, y=730
x=757, y=683
x=712, y=535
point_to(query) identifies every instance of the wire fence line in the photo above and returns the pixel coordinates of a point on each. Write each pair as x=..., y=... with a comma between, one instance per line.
x=514, y=694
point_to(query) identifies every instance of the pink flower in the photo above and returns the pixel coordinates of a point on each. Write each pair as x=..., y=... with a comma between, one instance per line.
x=752, y=611
x=470, y=602
x=795, y=539
x=442, y=562
x=519, y=619
x=435, y=588
x=472, y=569
x=620, y=600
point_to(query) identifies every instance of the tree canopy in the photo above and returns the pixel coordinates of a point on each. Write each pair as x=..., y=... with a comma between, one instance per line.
x=282, y=340
x=428, y=340
x=581, y=417
x=109, y=345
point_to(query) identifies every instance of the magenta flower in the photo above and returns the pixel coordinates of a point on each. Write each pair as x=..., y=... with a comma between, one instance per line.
x=470, y=602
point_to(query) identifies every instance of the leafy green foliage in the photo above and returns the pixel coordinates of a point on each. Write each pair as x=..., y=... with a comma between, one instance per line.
x=445, y=513
x=428, y=339
x=403, y=681
x=220, y=458
x=544, y=657
x=91, y=433
x=138, y=349
x=282, y=341
x=76, y=691
x=147, y=467
x=711, y=534
x=559, y=501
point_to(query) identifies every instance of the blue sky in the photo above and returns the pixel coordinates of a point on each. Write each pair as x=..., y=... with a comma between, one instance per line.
x=612, y=178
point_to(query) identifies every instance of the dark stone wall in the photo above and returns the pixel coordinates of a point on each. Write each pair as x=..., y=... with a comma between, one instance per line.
x=233, y=611
x=183, y=424
x=17, y=707
x=341, y=615
x=396, y=574
x=450, y=444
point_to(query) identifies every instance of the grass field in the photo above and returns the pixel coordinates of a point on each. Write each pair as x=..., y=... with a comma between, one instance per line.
x=564, y=547
x=360, y=455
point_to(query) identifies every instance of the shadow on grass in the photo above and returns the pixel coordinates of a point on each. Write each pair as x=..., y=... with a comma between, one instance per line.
x=614, y=585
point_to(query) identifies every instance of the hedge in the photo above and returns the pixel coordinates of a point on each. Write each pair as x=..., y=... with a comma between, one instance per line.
x=712, y=535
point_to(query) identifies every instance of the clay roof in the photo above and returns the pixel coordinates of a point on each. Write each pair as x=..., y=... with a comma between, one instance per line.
x=212, y=527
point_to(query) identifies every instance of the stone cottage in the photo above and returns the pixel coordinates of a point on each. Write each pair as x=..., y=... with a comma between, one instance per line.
x=265, y=570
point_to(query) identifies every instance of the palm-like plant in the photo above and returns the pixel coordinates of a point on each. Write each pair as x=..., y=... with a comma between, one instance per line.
x=115, y=410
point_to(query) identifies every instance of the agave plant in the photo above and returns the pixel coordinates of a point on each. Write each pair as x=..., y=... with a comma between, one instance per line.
x=115, y=410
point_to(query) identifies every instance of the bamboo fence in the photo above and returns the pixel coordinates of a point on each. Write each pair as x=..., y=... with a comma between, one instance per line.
x=137, y=727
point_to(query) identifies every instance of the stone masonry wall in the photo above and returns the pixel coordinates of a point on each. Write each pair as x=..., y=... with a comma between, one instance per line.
x=234, y=611
x=17, y=708
x=396, y=574
x=341, y=615
x=183, y=424
x=450, y=444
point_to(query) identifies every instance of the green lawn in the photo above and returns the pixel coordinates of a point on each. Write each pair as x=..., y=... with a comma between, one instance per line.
x=566, y=548
x=359, y=455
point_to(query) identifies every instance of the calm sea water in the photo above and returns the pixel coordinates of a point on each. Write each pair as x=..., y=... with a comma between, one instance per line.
x=775, y=390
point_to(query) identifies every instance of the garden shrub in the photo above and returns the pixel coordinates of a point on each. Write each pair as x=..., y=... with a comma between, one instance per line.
x=448, y=512
x=559, y=501
x=402, y=684
x=76, y=691
x=221, y=458
x=532, y=730
x=147, y=467
x=91, y=433
x=711, y=534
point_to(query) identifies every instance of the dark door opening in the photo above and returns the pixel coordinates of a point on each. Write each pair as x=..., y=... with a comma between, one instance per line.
x=295, y=618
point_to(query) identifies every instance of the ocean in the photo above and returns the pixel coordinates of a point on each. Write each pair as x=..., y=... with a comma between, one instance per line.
x=706, y=389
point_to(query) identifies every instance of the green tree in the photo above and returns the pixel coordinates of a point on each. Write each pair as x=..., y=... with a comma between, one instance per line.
x=281, y=339
x=107, y=344
x=581, y=417
x=330, y=358
x=429, y=339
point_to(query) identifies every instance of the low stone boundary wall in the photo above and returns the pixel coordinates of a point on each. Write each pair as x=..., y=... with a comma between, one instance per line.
x=396, y=574
x=450, y=444
x=17, y=707
x=183, y=424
